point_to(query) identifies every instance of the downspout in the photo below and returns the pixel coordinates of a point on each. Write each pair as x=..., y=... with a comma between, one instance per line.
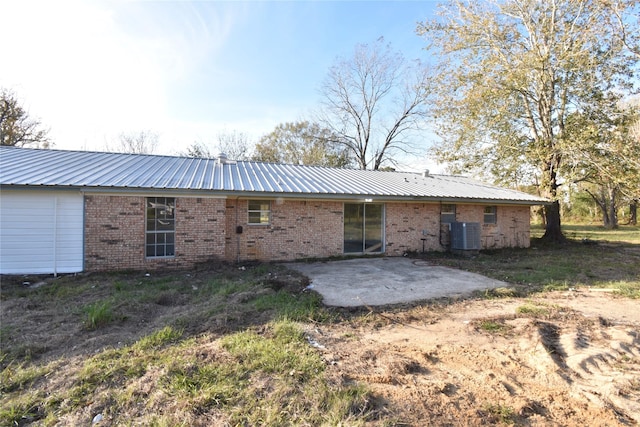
x=442, y=245
x=55, y=236
x=237, y=234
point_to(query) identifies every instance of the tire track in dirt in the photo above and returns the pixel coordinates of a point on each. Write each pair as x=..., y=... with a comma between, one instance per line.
x=570, y=366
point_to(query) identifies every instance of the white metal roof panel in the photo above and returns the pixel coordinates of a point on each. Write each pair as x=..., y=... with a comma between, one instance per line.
x=92, y=170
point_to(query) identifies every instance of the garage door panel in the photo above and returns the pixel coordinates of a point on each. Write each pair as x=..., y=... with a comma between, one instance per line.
x=41, y=232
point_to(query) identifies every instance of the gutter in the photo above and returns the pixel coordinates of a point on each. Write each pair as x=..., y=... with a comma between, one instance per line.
x=172, y=192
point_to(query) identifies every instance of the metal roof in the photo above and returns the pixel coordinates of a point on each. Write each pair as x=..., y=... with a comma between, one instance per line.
x=116, y=171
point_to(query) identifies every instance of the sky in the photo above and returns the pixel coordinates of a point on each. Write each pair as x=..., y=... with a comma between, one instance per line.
x=188, y=71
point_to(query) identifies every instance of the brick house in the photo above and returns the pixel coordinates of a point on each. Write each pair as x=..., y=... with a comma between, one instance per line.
x=66, y=211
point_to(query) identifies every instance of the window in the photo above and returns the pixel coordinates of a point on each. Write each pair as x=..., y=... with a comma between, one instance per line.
x=447, y=214
x=259, y=212
x=490, y=214
x=161, y=227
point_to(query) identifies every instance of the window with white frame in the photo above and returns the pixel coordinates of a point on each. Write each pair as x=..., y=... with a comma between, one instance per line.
x=161, y=227
x=259, y=212
x=447, y=213
x=490, y=214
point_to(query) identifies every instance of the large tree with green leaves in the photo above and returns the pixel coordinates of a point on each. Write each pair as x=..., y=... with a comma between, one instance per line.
x=16, y=127
x=511, y=73
x=373, y=102
x=605, y=162
x=303, y=143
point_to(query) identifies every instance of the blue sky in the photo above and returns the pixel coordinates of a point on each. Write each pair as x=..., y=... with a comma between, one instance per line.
x=90, y=70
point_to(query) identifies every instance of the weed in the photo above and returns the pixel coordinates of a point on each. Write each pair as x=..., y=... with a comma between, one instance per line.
x=501, y=292
x=98, y=314
x=286, y=353
x=22, y=409
x=499, y=413
x=119, y=285
x=158, y=339
x=493, y=326
x=226, y=287
x=19, y=376
x=300, y=307
x=533, y=310
x=625, y=288
x=554, y=285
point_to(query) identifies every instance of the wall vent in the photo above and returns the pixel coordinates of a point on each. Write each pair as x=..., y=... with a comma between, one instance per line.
x=465, y=236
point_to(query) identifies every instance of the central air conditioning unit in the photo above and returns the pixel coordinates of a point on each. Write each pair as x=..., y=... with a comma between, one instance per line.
x=465, y=236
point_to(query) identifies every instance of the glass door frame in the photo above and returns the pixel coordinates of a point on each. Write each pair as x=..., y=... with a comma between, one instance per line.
x=363, y=233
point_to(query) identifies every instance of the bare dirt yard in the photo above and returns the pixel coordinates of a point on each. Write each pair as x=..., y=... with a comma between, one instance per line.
x=563, y=358
x=139, y=349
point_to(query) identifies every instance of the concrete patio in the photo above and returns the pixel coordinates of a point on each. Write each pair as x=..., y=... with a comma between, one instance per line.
x=381, y=281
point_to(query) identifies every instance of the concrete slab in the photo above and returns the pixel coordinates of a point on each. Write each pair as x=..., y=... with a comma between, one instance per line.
x=381, y=281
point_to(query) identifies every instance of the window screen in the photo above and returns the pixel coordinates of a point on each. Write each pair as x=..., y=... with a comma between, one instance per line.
x=259, y=212
x=490, y=214
x=161, y=227
x=447, y=214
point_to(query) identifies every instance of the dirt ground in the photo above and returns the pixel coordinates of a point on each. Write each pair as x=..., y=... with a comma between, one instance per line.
x=562, y=358
x=573, y=358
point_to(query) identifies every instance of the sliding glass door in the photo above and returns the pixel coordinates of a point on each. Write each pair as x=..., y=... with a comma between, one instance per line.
x=363, y=228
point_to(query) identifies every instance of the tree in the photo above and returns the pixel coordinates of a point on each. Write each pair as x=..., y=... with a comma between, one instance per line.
x=235, y=145
x=141, y=142
x=509, y=75
x=625, y=25
x=605, y=157
x=16, y=128
x=198, y=150
x=373, y=102
x=301, y=143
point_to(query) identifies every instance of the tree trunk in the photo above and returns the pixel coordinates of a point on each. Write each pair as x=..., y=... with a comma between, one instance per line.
x=553, y=232
x=633, y=212
x=613, y=208
x=604, y=208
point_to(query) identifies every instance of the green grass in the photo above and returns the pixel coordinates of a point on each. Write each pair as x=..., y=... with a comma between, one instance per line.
x=493, y=326
x=533, y=310
x=300, y=307
x=624, y=233
x=256, y=375
x=498, y=413
x=98, y=314
x=273, y=377
x=611, y=259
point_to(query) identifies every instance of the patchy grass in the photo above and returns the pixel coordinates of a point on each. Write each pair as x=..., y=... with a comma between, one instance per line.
x=98, y=314
x=609, y=259
x=186, y=348
x=493, y=326
x=271, y=377
x=533, y=310
x=226, y=346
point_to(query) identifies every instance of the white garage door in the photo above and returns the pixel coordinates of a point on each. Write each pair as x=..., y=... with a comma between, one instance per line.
x=41, y=232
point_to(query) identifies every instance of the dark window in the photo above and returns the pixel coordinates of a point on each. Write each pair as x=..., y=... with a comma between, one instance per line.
x=447, y=214
x=161, y=227
x=259, y=212
x=490, y=216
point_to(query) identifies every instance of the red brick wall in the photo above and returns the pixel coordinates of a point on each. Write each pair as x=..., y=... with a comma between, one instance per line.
x=405, y=223
x=408, y=223
x=512, y=228
x=115, y=233
x=298, y=229
x=206, y=231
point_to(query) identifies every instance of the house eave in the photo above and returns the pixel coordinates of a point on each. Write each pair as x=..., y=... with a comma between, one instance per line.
x=380, y=198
